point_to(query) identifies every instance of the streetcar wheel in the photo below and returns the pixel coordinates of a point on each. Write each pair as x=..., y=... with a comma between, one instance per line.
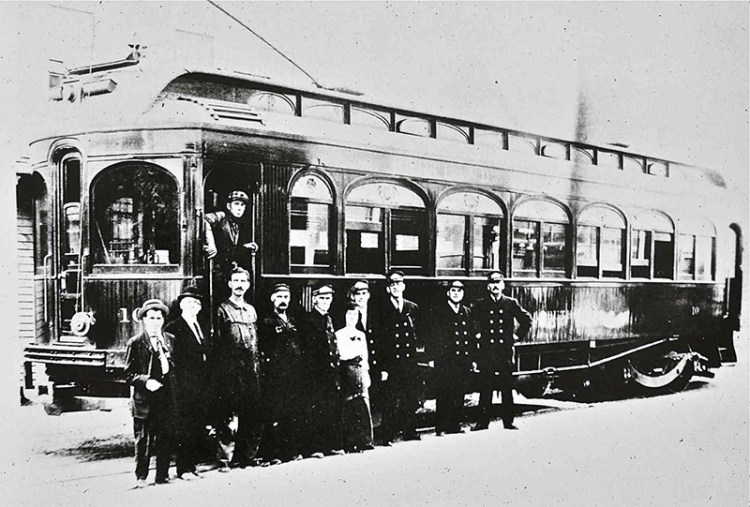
x=668, y=374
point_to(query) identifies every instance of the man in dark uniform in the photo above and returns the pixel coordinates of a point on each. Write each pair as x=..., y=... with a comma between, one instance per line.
x=149, y=369
x=228, y=240
x=191, y=372
x=455, y=350
x=398, y=361
x=281, y=380
x=322, y=376
x=237, y=368
x=494, y=319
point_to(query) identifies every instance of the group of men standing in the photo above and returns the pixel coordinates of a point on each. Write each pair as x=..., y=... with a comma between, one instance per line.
x=283, y=386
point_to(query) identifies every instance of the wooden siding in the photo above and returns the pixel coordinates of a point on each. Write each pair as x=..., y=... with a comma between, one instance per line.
x=25, y=264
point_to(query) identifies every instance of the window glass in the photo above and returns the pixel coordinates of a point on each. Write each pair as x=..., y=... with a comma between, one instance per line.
x=686, y=257
x=365, y=249
x=553, y=247
x=612, y=251
x=489, y=138
x=632, y=164
x=601, y=216
x=385, y=194
x=522, y=144
x=42, y=238
x=470, y=202
x=135, y=219
x=451, y=132
x=555, y=150
x=407, y=238
x=587, y=245
x=608, y=159
x=703, y=257
x=538, y=209
x=322, y=110
x=663, y=255
x=414, y=126
x=640, y=254
x=312, y=187
x=309, y=234
x=451, y=238
x=525, y=241
x=272, y=102
x=486, y=248
x=370, y=118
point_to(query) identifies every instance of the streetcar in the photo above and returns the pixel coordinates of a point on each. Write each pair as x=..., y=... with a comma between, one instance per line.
x=628, y=263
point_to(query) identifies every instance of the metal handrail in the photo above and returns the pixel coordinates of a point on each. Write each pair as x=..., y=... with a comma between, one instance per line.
x=44, y=286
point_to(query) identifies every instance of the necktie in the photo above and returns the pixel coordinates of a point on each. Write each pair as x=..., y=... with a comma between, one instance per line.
x=198, y=334
x=162, y=357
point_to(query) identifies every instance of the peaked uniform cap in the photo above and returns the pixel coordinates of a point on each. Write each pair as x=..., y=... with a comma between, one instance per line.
x=238, y=195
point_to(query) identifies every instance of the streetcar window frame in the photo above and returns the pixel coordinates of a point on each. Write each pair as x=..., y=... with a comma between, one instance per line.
x=541, y=220
x=652, y=245
x=99, y=218
x=315, y=197
x=390, y=226
x=477, y=207
x=600, y=221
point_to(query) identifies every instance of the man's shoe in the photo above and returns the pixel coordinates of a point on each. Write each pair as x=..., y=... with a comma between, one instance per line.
x=413, y=436
x=162, y=480
x=336, y=452
x=510, y=426
x=275, y=461
x=140, y=483
x=317, y=455
x=480, y=426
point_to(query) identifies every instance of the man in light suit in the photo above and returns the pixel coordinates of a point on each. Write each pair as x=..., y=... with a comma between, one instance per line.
x=149, y=369
x=191, y=372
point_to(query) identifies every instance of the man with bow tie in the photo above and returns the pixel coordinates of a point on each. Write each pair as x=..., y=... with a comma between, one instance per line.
x=191, y=372
x=149, y=369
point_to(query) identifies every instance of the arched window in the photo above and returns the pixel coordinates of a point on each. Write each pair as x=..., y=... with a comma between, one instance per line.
x=272, y=102
x=540, y=239
x=310, y=225
x=386, y=227
x=468, y=234
x=136, y=217
x=601, y=239
x=651, y=245
x=695, y=260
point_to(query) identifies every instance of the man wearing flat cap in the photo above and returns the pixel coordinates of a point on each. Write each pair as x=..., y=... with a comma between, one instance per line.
x=322, y=370
x=281, y=381
x=398, y=362
x=455, y=350
x=228, y=239
x=149, y=369
x=495, y=319
x=190, y=357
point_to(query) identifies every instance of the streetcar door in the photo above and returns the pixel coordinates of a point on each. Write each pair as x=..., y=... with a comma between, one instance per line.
x=68, y=281
x=219, y=181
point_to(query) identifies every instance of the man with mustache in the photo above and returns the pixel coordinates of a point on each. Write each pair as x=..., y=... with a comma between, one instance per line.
x=281, y=380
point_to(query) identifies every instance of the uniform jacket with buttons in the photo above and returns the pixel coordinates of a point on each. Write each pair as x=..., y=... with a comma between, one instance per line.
x=141, y=364
x=453, y=336
x=495, y=322
x=281, y=360
x=320, y=350
x=398, y=337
